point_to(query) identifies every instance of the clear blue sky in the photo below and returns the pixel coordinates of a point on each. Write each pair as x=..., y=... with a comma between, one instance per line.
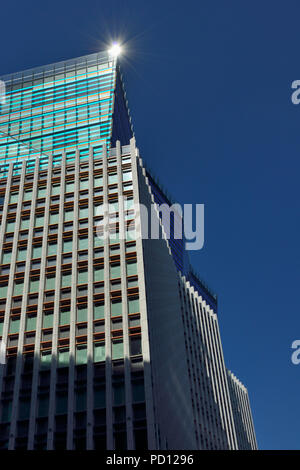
x=209, y=85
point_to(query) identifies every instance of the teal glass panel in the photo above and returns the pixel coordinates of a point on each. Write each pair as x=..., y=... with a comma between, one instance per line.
x=133, y=305
x=3, y=291
x=67, y=246
x=115, y=271
x=22, y=252
x=98, y=241
x=83, y=243
x=6, y=257
x=66, y=279
x=98, y=311
x=50, y=283
x=30, y=323
x=34, y=285
x=83, y=212
x=82, y=277
x=25, y=224
x=81, y=355
x=70, y=187
x=55, y=189
x=63, y=358
x=41, y=192
x=117, y=350
x=39, y=220
x=13, y=198
x=116, y=308
x=98, y=181
x=37, y=251
x=52, y=249
x=53, y=219
x=48, y=320
x=99, y=352
x=46, y=360
x=98, y=274
x=18, y=288
x=131, y=269
x=64, y=318
x=14, y=325
x=10, y=226
x=82, y=314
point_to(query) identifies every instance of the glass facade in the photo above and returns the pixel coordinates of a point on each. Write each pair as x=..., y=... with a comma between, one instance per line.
x=61, y=108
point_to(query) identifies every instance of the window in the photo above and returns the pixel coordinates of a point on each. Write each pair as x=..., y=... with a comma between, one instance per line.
x=25, y=223
x=52, y=249
x=48, y=320
x=10, y=226
x=6, y=257
x=63, y=357
x=64, y=318
x=41, y=191
x=98, y=311
x=34, y=284
x=14, y=198
x=133, y=305
x=115, y=271
x=127, y=175
x=30, y=323
x=69, y=215
x=50, y=283
x=81, y=355
x=19, y=286
x=116, y=308
x=117, y=350
x=3, y=290
x=82, y=243
x=99, y=352
x=98, y=273
x=81, y=314
x=83, y=212
x=135, y=345
x=82, y=277
x=39, y=220
x=67, y=245
x=66, y=278
x=131, y=268
x=53, y=218
x=14, y=325
x=37, y=251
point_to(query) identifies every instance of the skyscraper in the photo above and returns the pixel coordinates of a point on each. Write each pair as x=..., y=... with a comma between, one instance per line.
x=111, y=339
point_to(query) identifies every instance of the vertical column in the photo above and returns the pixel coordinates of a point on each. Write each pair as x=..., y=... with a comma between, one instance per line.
x=19, y=365
x=39, y=320
x=127, y=366
x=56, y=311
x=73, y=312
x=108, y=362
x=90, y=314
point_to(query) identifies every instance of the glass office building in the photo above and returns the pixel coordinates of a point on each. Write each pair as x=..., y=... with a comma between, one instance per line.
x=111, y=342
